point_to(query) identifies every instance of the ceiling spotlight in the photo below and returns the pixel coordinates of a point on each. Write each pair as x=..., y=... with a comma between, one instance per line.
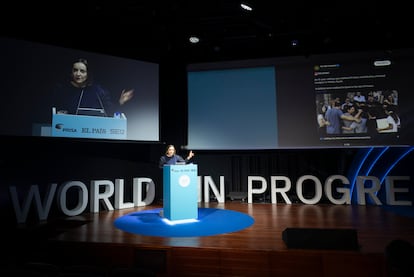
x=194, y=39
x=246, y=7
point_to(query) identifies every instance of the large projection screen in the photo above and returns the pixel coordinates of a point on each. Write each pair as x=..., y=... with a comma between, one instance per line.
x=276, y=102
x=32, y=73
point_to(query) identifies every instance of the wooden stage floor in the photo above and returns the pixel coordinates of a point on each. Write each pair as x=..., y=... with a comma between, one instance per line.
x=258, y=250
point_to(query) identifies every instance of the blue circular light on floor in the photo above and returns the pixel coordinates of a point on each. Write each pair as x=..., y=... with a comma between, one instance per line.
x=210, y=222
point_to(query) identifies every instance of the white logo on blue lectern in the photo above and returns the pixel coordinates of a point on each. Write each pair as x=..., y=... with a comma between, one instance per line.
x=184, y=181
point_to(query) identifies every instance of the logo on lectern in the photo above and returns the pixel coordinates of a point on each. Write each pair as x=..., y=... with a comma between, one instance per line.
x=184, y=181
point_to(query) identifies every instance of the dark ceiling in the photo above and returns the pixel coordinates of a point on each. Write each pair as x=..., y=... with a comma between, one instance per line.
x=157, y=30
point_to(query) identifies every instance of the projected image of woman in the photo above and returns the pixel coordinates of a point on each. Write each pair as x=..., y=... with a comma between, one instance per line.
x=82, y=96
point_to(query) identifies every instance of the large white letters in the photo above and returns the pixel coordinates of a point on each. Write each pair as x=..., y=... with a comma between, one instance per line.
x=101, y=193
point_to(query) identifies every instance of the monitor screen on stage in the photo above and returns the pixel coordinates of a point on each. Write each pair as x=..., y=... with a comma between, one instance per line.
x=52, y=91
x=354, y=99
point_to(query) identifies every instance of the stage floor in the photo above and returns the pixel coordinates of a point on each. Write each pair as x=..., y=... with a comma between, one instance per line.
x=375, y=226
x=257, y=249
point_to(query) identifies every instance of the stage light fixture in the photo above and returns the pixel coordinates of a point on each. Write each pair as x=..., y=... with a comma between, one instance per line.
x=194, y=39
x=246, y=6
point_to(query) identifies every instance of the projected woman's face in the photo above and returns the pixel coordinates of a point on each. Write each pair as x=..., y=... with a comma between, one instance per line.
x=79, y=73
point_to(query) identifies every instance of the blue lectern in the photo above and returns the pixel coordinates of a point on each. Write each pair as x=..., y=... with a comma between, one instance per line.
x=180, y=192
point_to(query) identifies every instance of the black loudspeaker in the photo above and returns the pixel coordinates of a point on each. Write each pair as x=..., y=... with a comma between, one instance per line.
x=315, y=238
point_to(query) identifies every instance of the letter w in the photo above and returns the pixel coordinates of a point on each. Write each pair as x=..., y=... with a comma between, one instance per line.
x=42, y=207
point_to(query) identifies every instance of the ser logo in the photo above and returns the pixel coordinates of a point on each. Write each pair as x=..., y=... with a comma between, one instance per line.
x=59, y=126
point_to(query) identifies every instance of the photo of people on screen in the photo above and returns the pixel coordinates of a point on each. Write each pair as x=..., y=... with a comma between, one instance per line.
x=358, y=115
x=81, y=95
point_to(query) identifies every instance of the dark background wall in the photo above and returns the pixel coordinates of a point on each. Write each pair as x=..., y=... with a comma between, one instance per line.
x=27, y=161
x=159, y=33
